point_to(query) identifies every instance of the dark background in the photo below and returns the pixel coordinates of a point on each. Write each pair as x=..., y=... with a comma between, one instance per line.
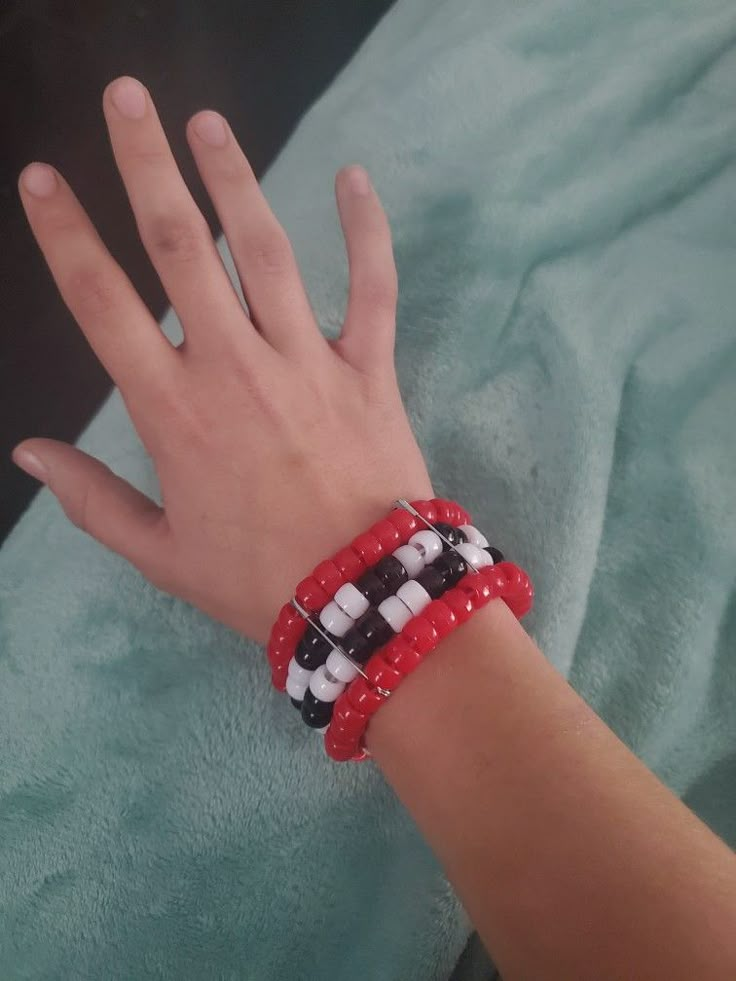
x=260, y=62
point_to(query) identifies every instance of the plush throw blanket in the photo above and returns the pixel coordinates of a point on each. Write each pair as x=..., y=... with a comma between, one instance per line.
x=561, y=180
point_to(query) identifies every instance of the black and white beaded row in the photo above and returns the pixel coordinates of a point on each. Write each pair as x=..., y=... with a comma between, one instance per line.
x=365, y=615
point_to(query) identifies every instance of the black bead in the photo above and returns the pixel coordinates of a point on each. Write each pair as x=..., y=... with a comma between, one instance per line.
x=452, y=566
x=355, y=645
x=452, y=534
x=391, y=573
x=372, y=588
x=495, y=554
x=374, y=628
x=312, y=650
x=296, y=703
x=314, y=712
x=432, y=580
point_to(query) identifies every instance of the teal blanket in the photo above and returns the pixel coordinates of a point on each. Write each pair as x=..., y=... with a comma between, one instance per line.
x=561, y=180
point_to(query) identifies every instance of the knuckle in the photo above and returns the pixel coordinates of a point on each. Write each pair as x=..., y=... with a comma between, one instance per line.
x=151, y=158
x=63, y=222
x=81, y=509
x=176, y=237
x=236, y=174
x=272, y=255
x=379, y=295
x=91, y=293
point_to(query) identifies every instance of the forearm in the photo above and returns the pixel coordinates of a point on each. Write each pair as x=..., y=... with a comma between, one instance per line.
x=572, y=859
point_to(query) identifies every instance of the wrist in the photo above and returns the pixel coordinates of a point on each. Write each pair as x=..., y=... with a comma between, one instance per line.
x=477, y=649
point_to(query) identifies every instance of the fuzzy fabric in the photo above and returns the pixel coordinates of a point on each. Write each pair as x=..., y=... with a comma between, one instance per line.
x=560, y=179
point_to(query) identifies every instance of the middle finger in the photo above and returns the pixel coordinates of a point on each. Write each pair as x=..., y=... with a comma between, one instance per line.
x=172, y=228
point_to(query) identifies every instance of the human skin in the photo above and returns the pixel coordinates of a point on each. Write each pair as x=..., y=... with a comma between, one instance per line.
x=273, y=447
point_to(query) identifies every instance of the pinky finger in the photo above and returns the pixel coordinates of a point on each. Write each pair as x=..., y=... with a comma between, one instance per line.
x=367, y=339
x=100, y=503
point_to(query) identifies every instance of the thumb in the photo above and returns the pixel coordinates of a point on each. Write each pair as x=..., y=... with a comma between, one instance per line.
x=99, y=502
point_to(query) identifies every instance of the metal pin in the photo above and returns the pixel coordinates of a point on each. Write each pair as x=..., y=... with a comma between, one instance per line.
x=333, y=643
x=412, y=510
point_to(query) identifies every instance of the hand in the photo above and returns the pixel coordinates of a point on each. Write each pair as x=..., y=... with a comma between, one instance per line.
x=272, y=446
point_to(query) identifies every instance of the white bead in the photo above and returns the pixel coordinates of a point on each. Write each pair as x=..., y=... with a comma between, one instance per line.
x=334, y=620
x=298, y=673
x=414, y=596
x=340, y=668
x=323, y=730
x=474, y=536
x=396, y=613
x=411, y=560
x=473, y=555
x=485, y=559
x=296, y=689
x=324, y=688
x=429, y=543
x=351, y=601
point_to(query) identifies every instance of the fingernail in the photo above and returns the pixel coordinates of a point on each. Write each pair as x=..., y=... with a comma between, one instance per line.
x=129, y=98
x=31, y=464
x=40, y=180
x=358, y=180
x=210, y=127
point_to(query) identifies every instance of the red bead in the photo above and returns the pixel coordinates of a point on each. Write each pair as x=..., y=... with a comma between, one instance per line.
x=518, y=593
x=339, y=751
x=476, y=588
x=368, y=547
x=349, y=730
x=439, y=614
x=427, y=510
x=451, y=512
x=383, y=675
x=347, y=733
x=278, y=676
x=528, y=600
x=329, y=577
x=362, y=697
x=404, y=522
x=347, y=716
x=521, y=605
x=421, y=635
x=288, y=633
x=446, y=511
x=496, y=579
x=387, y=534
x=283, y=640
x=289, y=616
x=511, y=574
x=401, y=655
x=311, y=595
x=460, y=604
x=344, y=731
x=278, y=654
x=349, y=564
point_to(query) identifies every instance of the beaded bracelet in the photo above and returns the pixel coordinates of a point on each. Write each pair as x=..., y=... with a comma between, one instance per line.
x=388, y=667
x=315, y=591
x=319, y=671
x=344, y=590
